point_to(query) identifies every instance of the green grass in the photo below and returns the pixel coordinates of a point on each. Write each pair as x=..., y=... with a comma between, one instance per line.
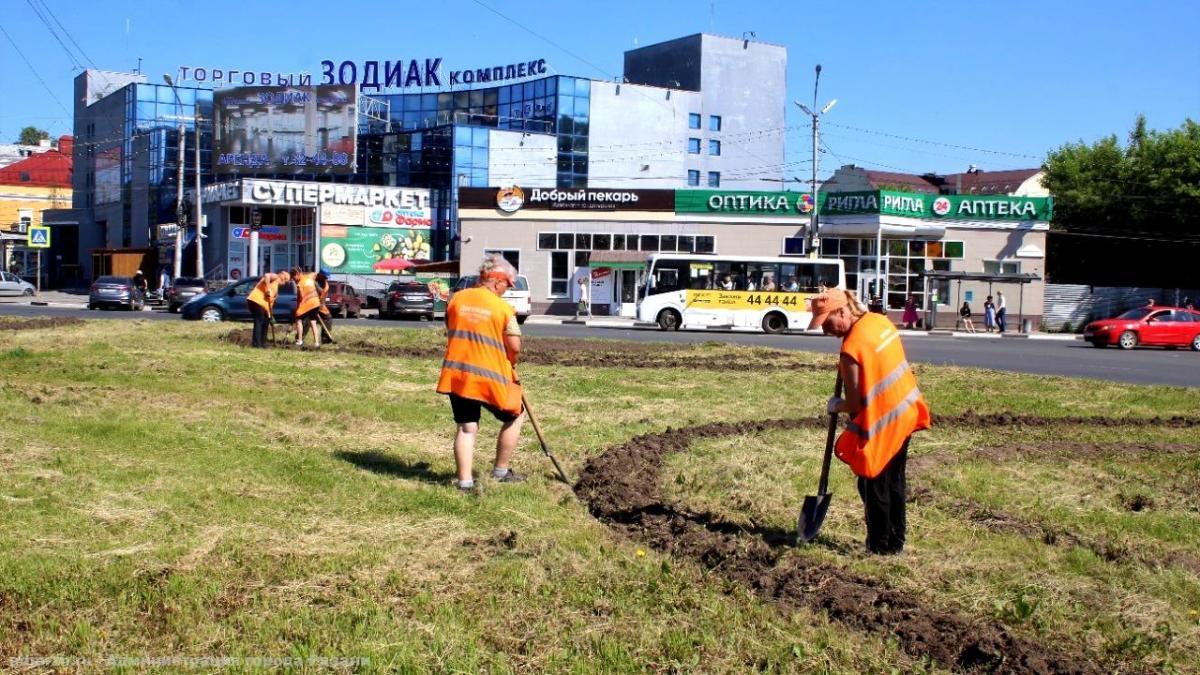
x=165, y=493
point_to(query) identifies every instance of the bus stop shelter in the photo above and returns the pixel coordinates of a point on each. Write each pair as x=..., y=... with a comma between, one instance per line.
x=1019, y=279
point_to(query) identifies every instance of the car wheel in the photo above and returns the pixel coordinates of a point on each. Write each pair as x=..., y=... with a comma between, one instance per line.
x=28, y=292
x=1196, y=343
x=212, y=314
x=1098, y=344
x=774, y=323
x=91, y=307
x=521, y=318
x=669, y=319
x=1128, y=340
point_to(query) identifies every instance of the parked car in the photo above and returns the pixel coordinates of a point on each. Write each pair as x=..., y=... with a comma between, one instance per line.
x=183, y=289
x=518, y=296
x=343, y=300
x=112, y=291
x=229, y=303
x=408, y=298
x=11, y=284
x=1147, y=326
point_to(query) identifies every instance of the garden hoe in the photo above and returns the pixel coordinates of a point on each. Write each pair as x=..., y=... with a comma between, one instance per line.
x=325, y=327
x=812, y=514
x=542, y=439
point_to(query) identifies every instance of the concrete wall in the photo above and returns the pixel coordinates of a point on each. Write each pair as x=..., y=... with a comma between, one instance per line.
x=638, y=136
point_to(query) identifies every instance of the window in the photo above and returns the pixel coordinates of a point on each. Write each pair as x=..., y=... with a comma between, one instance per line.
x=714, y=179
x=547, y=241
x=714, y=148
x=601, y=242
x=693, y=146
x=794, y=245
x=693, y=178
x=560, y=272
x=705, y=244
x=513, y=256
x=1001, y=267
x=714, y=122
x=693, y=120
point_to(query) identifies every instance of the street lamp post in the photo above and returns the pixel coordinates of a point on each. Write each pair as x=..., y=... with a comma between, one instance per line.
x=814, y=224
x=177, y=268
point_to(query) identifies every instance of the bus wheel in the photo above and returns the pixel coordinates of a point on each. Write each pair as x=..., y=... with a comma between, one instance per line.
x=669, y=319
x=774, y=323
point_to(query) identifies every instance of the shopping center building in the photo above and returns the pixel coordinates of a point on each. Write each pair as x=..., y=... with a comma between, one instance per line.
x=699, y=111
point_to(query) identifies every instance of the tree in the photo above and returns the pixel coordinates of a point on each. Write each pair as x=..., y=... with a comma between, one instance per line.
x=31, y=136
x=1127, y=215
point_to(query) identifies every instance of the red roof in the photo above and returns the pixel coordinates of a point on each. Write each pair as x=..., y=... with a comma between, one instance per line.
x=46, y=169
x=880, y=179
x=991, y=182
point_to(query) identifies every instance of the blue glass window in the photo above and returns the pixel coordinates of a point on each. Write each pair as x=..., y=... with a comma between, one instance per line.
x=714, y=123
x=552, y=86
x=714, y=148
x=714, y=179
x=430, y=101
x=539, y=88
x=479, y=157
x=505, y=94
x=583, y=88
x=693, y=177
x=479, y=136
x=527, y=91
x=693, y=120
x=693, y=146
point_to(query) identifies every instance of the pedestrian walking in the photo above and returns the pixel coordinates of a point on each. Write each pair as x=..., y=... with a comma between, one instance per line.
x=964, y=314
x=1001, y=311
x=482, y=346
x=989, y=315
x=261, y=303
x=885, y=407
x=164, y=282
x=584, y=292
x=910, y=317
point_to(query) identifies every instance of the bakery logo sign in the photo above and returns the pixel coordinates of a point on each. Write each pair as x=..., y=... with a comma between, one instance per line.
x=510, y=199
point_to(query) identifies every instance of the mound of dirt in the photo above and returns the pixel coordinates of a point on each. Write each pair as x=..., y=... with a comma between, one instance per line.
x=41, y=323
x=621, y=488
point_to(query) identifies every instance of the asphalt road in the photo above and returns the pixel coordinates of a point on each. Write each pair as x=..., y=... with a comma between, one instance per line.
x=1043, y=357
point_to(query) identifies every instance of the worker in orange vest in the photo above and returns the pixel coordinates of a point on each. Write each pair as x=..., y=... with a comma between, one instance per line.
x=483, y=342
x=308, y=306
x=326, y=316
x=885, y=408
x=261, y=303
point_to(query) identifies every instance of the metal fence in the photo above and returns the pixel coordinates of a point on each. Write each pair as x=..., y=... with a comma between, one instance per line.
x=1069, y=307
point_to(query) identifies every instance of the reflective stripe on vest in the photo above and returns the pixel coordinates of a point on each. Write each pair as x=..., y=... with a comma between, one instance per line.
x=477, y=338
x=892, y=404
x=475, y=370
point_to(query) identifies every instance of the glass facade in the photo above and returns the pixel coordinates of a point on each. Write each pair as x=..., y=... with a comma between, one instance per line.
x=903, y=262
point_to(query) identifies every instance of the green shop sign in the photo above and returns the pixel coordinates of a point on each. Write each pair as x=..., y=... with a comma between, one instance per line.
x=744, y=203
x=934, y=207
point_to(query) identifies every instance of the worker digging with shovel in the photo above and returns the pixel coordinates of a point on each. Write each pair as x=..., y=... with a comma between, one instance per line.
x=885, y=408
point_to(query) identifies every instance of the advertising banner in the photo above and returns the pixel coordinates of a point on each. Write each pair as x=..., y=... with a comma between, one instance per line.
x=790, y=302
x=934, y=207
x=744, y=203
x=514, y=199
x=288, y=130
x=342, y=214
x=372, y=250
x=602, y=285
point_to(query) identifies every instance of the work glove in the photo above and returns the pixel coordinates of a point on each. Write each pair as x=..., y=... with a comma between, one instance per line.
x=835, y=405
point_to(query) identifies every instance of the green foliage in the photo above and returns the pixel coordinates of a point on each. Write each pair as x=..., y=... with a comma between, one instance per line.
x=31, y=135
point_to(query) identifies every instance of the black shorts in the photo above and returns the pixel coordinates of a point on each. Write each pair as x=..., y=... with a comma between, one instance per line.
x=310, y=315
x=467, y=410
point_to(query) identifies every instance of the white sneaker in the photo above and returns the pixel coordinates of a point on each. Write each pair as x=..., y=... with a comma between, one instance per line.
x=299, y=343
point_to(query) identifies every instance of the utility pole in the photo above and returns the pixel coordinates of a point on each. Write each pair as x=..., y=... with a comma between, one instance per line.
x=814, y=237
x=199, y=214
x=180, y=218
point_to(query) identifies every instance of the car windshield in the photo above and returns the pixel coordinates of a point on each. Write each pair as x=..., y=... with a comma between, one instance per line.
x=522, y=284
x=1136, y=314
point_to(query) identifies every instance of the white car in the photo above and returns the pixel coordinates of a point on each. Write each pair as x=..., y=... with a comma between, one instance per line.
x=517, y=297
x=11, y=284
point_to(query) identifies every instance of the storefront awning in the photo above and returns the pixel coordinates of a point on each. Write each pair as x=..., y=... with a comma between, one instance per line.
x=929, y=231
x=618, y=260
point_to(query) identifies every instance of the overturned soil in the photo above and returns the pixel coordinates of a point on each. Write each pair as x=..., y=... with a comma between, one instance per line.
x=41, y=323
x=621, y=488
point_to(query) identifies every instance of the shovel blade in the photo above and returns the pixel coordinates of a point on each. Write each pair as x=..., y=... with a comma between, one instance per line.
x=812, y=514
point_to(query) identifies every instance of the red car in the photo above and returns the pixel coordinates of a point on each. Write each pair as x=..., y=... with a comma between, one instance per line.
x=343, y=301
x=1148, y=326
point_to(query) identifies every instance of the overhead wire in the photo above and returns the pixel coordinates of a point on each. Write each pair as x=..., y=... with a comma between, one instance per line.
x=34, y=70
x=75, y=63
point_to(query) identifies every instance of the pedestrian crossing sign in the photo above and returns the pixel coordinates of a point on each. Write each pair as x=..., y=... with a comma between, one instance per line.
x=39, y=237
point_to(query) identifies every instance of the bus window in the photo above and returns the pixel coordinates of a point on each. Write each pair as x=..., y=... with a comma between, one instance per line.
x=813, y=277
x=668, y=276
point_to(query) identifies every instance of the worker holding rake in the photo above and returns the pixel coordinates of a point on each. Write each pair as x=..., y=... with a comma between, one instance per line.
x=261, y=303
x=885, y=408
x=483, y=342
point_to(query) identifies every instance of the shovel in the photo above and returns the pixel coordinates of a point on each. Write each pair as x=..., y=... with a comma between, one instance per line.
x=328, y=333
x=542, y=439
x=812, y=514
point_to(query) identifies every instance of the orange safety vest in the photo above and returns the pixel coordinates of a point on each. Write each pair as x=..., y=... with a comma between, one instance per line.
x=476, y=365
x=892, y=406
x=306, y=292
x=264, y=293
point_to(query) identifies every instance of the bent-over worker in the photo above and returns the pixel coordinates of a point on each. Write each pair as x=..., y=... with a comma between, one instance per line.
x=308, y=304
x=483, y=342
x=261, y=303
x=885, y=408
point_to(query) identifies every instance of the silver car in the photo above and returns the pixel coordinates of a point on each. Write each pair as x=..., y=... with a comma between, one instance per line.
x=11, y=284
x=115, y=292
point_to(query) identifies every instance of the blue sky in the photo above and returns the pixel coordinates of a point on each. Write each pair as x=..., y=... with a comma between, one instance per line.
x=1015, y=78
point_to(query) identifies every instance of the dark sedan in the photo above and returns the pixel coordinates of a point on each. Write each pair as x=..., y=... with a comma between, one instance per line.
x=408, y=298
x=229, y=303
x=183, y=289
x=111, y=291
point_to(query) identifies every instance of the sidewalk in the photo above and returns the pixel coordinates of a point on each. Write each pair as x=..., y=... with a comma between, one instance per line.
x=76, y=300
x=631, y=323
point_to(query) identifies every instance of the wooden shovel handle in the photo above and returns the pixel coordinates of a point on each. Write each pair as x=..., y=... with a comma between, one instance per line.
x=821, y=487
